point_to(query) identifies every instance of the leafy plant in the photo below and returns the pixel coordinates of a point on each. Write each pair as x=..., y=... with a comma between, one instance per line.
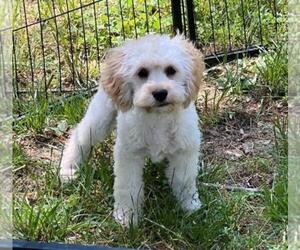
x=273, y=70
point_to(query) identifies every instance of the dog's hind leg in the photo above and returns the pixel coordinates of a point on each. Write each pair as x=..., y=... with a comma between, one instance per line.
x=93, y=128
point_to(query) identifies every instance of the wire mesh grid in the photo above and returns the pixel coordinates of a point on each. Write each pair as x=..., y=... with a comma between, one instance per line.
x=59, y=45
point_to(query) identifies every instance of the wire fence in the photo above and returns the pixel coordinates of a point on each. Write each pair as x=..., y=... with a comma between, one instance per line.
x=59, y=45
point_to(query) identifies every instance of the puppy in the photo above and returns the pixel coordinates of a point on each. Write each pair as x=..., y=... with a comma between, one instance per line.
x=148, y=86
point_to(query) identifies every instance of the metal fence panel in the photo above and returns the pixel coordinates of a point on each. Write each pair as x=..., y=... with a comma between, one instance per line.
x=58, y=45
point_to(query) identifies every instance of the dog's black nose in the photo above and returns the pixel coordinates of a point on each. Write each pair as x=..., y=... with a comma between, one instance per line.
x=160, y=95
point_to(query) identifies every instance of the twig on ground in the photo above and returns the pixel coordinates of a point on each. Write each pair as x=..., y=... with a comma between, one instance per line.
x=231, y=188
x=18, y=168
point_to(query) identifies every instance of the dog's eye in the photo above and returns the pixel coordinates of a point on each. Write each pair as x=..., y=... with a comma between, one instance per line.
x=170, y=71
x=143, y=73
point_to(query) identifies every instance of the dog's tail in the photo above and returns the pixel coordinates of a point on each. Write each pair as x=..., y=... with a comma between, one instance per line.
x=93, y=128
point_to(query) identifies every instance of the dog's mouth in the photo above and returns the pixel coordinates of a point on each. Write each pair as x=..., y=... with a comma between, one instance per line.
x=162, y=104
x=161, y=107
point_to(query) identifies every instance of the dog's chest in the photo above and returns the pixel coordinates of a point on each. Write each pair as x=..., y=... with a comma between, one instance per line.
x=157, y=137
x=160, y=141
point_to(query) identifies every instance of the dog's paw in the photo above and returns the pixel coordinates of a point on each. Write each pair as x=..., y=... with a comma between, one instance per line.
x=66, y=174
x=191, y=204
x=125, y=217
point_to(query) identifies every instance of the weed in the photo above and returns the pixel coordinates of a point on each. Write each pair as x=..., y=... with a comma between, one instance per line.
x=212, y=106
x=19, y=159
x=36, y=114
x=273, y=71
x=276, y=198
x=73, y=108
x=280, y=128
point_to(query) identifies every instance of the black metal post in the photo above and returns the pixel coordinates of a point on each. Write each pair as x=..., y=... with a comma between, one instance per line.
x=191, y=20
x=176, y=15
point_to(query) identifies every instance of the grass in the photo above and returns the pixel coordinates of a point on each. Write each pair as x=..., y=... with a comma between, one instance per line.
x=81, y=213
x=242, y=112
x=227, y=219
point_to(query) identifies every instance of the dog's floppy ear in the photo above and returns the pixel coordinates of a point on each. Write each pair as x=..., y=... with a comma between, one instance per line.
x=112, y=79
x=196, y=69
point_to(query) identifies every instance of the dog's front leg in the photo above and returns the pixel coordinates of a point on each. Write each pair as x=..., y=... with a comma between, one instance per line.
x=182, y=174
x=92, y=129
x=128, y=185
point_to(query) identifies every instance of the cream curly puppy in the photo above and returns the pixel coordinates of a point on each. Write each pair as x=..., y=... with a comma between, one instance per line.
x=148, y=86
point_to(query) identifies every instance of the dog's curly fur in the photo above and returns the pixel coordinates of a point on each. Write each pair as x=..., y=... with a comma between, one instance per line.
x=162, y=126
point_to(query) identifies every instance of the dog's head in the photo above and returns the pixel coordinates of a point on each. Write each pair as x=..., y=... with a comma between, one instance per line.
x=156, y=73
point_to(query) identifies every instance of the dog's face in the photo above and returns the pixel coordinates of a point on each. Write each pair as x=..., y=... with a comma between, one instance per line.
x=156, y=73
